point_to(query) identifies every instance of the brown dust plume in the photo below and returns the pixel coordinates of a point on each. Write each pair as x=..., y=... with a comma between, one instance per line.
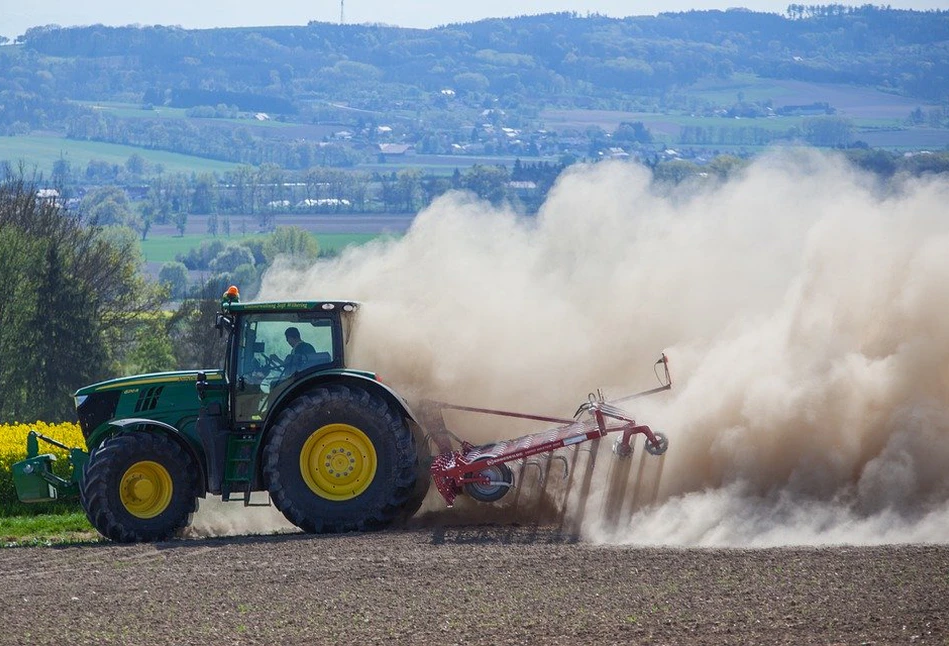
x=804, y=308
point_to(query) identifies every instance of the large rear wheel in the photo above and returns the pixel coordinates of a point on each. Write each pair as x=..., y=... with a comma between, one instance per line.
x=340, y=459
x=139, y=487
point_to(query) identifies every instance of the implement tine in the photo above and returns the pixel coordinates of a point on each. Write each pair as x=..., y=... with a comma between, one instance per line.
x=634, y=502
x=568, y=476
x=521, y=478
x=542, y=486
x=655, y=486
x=585, y=487
x=617, y=482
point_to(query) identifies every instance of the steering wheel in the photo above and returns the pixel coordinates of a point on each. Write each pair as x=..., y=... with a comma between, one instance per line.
x=272, y=363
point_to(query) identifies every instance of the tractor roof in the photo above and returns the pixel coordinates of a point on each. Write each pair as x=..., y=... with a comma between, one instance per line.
x=290, y=306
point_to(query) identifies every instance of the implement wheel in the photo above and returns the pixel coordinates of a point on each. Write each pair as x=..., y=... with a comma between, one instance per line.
x=501, y=477
x=662, y=441
x=138, y=487
x=340, y=459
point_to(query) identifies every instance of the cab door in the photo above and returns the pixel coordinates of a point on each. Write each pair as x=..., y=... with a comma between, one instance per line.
x=263, y=349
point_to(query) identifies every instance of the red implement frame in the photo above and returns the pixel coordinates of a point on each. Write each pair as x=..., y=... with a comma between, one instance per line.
x=452, y=469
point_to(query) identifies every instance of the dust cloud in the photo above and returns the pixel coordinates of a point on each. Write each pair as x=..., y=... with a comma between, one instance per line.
x=218, y=518
x=803, y=306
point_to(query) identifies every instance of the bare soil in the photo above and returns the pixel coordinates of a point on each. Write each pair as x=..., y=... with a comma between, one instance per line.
x=490, y=584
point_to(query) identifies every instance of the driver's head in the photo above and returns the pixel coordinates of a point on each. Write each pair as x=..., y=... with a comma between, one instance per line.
x=293, y=336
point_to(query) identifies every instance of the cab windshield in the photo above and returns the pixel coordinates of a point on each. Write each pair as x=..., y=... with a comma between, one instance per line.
x=273, y=348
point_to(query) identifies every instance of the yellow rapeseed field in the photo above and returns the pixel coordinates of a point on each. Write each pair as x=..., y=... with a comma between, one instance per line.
x=13, y=441
x=13, y=449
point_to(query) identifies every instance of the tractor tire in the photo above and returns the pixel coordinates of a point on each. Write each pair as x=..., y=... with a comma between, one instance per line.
x=139, y=487
x=339, y=459
x=423, y=475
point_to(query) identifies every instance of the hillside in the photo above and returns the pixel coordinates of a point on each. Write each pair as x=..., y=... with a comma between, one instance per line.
x=336, y=95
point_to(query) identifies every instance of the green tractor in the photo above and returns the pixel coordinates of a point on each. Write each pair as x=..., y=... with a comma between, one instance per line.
x=335, y=449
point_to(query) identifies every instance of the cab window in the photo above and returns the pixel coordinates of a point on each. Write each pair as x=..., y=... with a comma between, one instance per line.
x=274, y=347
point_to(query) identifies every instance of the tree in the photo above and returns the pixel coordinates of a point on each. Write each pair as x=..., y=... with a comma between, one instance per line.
x=726, y=165
x=675, y=171
x=487, y=182
x=408, y=186
x=174, y=276
x=197, y=345
x=71, y=293
x=181, y=222
x=152, y=350
x=635, y=132
x=473, y=82
x=232, y=257
x=135, y=164
x=62, y=171
x=205, y=194
x=110, y=206
x=828, y=131
x=293, y=242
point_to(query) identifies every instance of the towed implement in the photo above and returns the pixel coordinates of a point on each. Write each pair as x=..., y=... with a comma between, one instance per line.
x=334, y=448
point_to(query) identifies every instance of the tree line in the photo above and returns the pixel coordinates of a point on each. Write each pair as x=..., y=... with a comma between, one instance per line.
x=133, y=196
x=71, y=291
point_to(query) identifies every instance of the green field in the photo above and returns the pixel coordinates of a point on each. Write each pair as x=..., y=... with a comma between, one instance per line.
x=135, y=111
x=40, y=152
x=725, y=92
x=166, y=248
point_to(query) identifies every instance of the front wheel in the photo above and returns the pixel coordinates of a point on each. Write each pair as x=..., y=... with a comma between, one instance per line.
x=139, y=487
x=340, y=459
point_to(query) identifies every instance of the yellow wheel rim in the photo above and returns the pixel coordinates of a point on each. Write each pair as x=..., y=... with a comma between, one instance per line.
x=338, y=462
x=145, y=489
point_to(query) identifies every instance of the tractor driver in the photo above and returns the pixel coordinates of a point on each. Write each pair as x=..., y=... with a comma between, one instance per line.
x=302, y=355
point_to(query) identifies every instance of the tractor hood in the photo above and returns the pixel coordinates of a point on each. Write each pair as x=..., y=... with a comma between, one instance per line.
x=155, y=378
x=163, y=396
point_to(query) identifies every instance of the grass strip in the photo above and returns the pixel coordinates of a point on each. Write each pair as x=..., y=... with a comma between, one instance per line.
x=46, y=529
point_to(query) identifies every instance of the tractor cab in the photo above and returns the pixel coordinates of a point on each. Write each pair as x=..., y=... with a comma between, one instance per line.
x=272, y=346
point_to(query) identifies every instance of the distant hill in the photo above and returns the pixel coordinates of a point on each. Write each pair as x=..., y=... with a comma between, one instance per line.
x=478, y=88
x=560, y=57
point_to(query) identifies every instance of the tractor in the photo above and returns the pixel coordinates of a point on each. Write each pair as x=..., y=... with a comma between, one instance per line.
x=335, y=448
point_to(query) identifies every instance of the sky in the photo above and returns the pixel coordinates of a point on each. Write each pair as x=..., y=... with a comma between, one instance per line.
x=17, y=16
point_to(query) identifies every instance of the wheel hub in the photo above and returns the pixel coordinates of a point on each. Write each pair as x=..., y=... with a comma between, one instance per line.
x=338, y=462
x=145, y=489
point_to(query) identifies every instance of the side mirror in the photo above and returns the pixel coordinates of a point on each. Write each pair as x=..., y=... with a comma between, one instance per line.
x=221, y=322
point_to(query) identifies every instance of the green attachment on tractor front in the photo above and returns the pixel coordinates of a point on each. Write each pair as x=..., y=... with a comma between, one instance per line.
x=34, y=478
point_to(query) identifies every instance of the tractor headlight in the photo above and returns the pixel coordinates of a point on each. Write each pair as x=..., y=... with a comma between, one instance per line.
x=79, y=399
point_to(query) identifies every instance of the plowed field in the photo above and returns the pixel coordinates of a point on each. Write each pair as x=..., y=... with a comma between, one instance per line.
x=489, y=585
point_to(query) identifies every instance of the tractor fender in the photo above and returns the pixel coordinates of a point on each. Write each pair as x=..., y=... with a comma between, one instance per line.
x=344, y=377
x=167, y=429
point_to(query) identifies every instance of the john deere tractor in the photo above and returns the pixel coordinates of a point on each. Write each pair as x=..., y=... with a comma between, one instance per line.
x=335, y=449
